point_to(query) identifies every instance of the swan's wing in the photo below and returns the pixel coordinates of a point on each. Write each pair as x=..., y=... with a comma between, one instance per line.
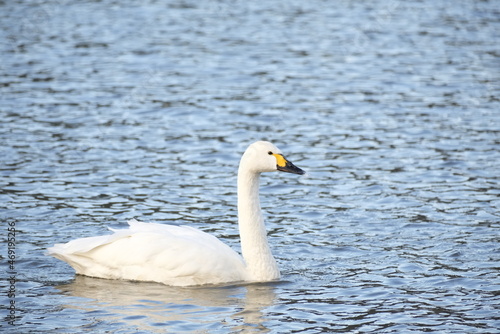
x=175, y=255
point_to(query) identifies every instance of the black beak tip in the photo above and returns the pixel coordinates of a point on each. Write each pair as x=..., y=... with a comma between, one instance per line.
x=291, y=168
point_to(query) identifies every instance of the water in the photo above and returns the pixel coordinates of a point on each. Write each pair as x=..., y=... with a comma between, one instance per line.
x=111, y=110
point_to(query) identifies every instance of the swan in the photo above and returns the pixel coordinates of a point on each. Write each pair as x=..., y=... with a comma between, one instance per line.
x=183, y=255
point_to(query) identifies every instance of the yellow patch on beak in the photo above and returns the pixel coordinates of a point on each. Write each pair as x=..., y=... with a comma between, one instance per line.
x=280, y=160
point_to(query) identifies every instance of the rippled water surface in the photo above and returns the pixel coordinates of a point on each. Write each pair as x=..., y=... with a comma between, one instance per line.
x=114, y=110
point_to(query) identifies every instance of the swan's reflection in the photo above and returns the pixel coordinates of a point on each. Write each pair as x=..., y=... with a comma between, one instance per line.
x=156, y=307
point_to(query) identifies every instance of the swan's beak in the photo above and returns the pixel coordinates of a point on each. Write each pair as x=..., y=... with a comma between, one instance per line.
x=283, y=165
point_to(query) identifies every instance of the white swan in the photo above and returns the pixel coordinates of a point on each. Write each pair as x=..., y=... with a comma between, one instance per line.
x=182, y=255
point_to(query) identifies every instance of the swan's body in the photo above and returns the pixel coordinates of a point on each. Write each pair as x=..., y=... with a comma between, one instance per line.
x=182, y=255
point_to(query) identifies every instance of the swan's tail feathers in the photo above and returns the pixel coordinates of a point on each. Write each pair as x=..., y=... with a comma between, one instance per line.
x=84, y=245
x=76, y=252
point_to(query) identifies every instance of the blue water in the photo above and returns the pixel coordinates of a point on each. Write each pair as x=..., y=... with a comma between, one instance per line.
x=115, y=110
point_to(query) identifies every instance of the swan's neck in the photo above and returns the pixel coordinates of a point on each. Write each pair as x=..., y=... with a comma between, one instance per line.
x=260, y=262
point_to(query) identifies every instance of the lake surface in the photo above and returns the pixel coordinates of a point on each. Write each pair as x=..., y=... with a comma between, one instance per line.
x=114, y=110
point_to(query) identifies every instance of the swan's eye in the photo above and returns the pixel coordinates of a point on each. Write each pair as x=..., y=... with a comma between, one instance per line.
x=270, y=153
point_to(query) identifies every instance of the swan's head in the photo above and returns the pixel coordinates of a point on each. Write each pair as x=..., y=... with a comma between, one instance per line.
x=262, y=156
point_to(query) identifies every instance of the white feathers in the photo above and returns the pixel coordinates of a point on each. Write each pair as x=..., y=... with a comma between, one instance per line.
x=182, y=255
x=173, y=255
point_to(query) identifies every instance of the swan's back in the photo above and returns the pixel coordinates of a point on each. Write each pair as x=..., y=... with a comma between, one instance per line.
x=173, y=255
